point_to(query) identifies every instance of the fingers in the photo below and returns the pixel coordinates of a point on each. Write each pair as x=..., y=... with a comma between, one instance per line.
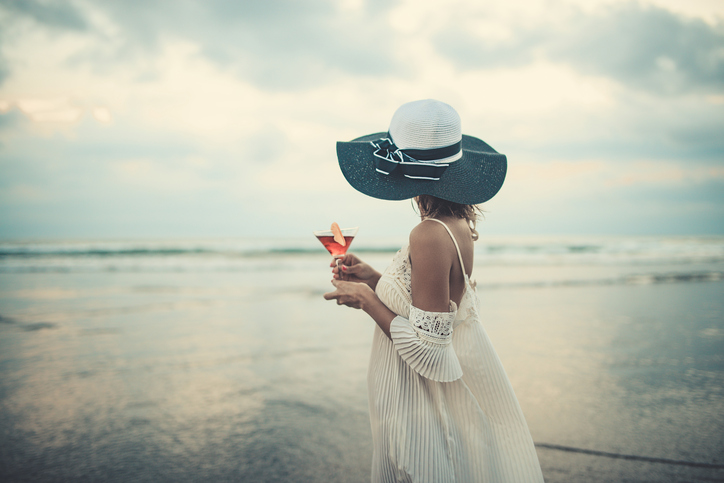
x=340, y=273
x=337, y=260
x=337, y=293
x=341, y=297
x=348, y=259
x=334, y=295
x=342, y=267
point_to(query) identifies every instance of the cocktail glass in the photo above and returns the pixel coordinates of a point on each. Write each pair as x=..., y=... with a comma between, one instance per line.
x=326, y=237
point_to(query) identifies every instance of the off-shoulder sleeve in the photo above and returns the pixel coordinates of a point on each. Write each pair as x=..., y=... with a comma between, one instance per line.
x=424, y=341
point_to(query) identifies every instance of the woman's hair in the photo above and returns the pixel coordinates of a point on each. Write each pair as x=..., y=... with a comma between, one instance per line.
x=431, y=207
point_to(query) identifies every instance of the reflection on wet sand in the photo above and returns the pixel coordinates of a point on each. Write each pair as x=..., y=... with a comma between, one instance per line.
x=248, y=376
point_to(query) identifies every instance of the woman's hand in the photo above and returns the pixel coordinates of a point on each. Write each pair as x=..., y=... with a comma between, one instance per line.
x=362, y=296
x=352, y=269
x=351, y=294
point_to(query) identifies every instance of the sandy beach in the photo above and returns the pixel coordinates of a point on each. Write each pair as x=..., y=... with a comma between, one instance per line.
x=191, y=364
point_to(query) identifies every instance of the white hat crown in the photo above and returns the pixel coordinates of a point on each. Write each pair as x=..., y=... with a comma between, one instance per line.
x=425, y=125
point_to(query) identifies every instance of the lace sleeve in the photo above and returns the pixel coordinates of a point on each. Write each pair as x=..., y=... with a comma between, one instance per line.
x=424, y=341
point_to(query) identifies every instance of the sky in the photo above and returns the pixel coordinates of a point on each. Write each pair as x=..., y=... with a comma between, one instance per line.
x=176, y=118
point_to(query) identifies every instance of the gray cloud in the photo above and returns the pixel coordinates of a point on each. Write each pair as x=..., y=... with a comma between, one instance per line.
x=10, y=119
x=277, y=44
x=646, y=47
x=62, y=15
x=650, y=48
x=470, y=52
x=4, y=69
x=269, y=143
x=703, y=140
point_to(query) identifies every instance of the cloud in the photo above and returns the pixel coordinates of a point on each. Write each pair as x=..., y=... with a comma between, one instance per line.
x=9, y=118
x=666, y=174
x=276, y=44
x=102, y=114
x=62, y=15
x=649, y=48
x=4, y=69
x=50, y=110
x=193, y=112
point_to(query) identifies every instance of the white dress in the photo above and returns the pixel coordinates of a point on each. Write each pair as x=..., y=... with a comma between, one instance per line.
x=441, y=406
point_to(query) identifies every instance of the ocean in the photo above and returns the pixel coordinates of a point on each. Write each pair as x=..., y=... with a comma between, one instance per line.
x=219, y=360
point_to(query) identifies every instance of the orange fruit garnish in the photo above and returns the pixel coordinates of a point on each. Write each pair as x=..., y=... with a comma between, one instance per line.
x=338, y=235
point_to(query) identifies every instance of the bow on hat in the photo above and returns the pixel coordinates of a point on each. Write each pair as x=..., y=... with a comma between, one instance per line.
x=413, y=163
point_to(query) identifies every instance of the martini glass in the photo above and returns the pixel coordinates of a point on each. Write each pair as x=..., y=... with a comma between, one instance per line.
x=326, y=238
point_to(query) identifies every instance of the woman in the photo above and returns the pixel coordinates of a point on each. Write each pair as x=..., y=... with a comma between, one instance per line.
x=441, y=406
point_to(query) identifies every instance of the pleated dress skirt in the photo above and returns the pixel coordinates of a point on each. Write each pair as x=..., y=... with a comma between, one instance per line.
x=441, y=406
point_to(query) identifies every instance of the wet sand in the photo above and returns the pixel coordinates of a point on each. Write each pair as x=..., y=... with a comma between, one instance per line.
x=252, y=376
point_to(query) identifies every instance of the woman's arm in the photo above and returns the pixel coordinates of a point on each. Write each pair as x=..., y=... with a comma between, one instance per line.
x=352, y=269
x=431, y=261
x=424, y=339
x=361, y=296
x=431, y=264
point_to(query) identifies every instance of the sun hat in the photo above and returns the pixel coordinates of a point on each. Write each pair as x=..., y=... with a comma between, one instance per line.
x=423, y=153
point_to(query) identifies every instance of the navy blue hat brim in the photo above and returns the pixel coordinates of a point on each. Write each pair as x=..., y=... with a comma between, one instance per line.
x=474, y=178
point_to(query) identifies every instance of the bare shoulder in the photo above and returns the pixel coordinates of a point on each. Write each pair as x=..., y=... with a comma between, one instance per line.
x=431, y=260
x=428, y=235
x=430, y=240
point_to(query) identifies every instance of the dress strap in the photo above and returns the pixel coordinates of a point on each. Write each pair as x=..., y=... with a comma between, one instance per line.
x=457, y=247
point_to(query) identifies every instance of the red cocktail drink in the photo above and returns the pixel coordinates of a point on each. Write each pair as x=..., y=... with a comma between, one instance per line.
x=334, y=247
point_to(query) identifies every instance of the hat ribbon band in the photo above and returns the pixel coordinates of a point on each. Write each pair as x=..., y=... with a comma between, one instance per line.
x=389, y=157
x=433, y=154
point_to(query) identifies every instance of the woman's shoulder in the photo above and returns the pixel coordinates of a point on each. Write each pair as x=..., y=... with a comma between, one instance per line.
x=431, y=240
x=431, y=236
x=428, y=234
